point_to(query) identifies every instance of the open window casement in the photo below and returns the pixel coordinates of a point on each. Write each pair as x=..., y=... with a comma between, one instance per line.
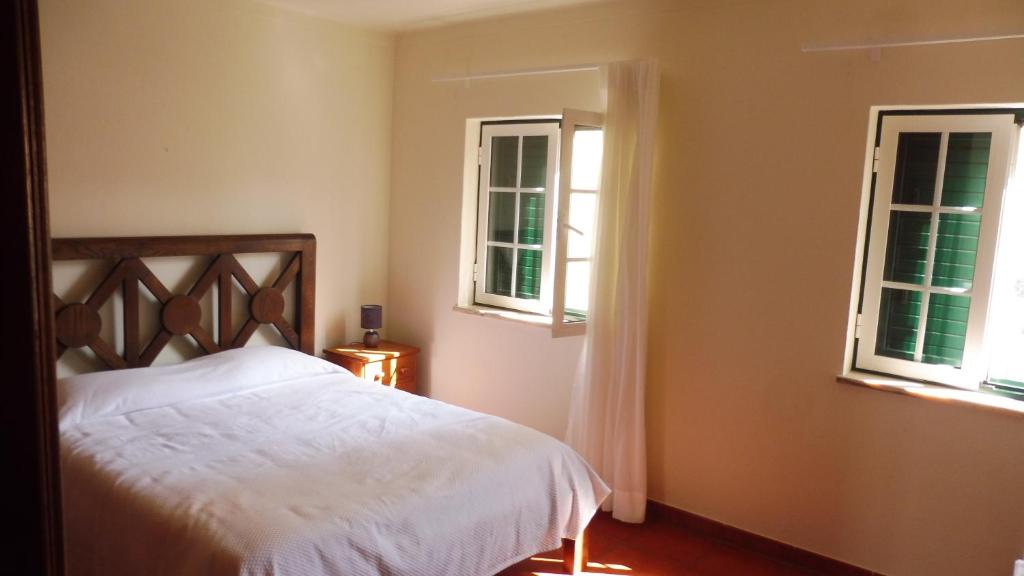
x=579, y=183
x=934, y=225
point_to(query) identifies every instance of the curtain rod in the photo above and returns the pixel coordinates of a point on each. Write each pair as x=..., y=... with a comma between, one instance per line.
x=520, y=72
x=838, y=47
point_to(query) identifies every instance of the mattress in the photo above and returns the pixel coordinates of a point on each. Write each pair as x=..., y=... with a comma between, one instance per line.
x=268, y=463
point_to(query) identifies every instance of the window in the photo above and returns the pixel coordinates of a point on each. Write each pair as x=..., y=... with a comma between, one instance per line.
x=526, y=259
x=578, y=184
x=514, y=227
x=941, y=295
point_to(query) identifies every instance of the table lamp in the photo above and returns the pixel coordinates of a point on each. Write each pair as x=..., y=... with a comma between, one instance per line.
x=371, y=318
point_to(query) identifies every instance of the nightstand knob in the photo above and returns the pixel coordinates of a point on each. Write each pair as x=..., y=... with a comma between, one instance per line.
x=403, y=371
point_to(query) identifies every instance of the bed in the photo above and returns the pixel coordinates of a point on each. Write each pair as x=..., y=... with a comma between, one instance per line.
x=267, y=460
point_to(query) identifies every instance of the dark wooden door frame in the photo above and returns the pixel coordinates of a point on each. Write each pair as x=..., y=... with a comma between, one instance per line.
x=30, y=450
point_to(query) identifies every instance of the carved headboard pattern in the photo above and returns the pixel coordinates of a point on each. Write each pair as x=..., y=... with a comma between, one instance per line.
x=79, y=324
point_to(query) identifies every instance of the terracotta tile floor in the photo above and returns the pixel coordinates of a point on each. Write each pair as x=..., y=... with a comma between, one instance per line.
x=658, y=548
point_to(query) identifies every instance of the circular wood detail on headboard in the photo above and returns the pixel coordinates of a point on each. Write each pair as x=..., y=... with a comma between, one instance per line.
x=181, y=315
x=267, y=305
x=77, y=325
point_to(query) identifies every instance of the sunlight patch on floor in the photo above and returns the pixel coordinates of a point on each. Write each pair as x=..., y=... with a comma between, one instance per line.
x=595, y=565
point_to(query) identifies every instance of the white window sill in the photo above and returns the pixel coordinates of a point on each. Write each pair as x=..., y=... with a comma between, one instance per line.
x=974, y=398
x=510, y=315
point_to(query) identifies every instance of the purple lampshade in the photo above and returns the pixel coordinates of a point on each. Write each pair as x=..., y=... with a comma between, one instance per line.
x=371, y=316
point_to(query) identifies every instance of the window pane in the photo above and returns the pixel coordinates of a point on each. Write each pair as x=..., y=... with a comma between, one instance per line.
x=587, y=147
x=499, y=271
x=917, y=161
x=531, y=218
x=581, y=223
x=956, y=249
x=528, y=270
x=946, y=331
x=535, y=161
x=501, y=217
x=966, y=169
x=504, y=153
x=1007, y=318
x=577, y=290
x=898, y=315
x=907, y=251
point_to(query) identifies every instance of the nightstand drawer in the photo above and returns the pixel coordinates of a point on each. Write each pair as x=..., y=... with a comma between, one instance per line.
x=404, y=376
x=399, y=373
x=390, y=364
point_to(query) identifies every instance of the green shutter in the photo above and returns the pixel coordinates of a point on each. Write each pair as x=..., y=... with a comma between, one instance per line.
x=966, y=169
x=956, y=250
x=531, y=218
x=898, y=319
x=528, y=271
x=906, y=256
x=946, y=331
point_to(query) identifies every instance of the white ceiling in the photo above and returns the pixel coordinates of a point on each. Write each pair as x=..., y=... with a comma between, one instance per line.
x=407, y=14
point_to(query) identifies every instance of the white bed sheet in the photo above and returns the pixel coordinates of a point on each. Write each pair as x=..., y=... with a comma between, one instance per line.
x=320, y=475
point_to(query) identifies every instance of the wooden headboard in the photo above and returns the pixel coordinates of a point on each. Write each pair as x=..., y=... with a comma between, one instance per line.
x=79, y=324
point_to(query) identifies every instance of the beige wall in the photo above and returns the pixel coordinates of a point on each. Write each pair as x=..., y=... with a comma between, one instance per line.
x=226, y=117
x=757, y=190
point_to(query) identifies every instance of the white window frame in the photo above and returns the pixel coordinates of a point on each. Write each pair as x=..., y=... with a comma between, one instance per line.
x=488, y=131
x=878, y=203
x=571, y=119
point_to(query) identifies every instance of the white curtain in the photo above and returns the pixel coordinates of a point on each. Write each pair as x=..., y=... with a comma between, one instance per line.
x=606, y=420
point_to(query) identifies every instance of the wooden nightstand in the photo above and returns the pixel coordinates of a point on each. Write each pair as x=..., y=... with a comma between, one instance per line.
x=390, y=363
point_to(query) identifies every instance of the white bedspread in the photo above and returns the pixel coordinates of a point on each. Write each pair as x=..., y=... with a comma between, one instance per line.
x=323, y=474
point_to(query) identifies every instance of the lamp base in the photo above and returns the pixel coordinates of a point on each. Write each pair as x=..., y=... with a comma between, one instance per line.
x=371, y=339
